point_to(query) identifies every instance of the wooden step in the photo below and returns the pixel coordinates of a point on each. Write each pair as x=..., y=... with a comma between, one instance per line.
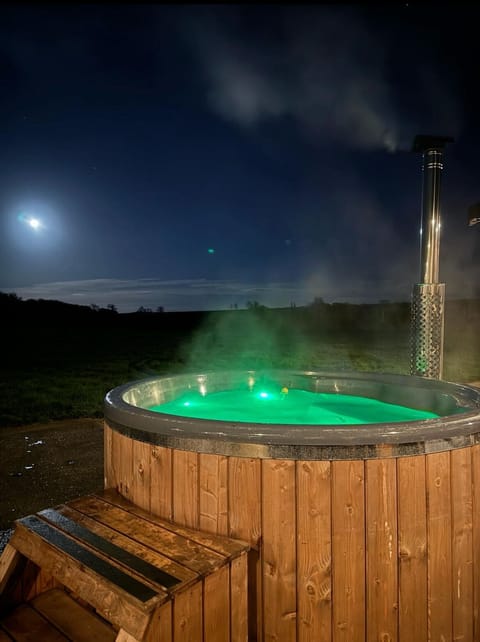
x=148, y=578
x=54, y=616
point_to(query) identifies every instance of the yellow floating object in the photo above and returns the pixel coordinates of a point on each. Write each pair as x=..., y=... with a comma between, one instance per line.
x=284, y=390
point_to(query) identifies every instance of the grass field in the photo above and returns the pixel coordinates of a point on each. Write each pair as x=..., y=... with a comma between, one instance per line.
x=62, y=368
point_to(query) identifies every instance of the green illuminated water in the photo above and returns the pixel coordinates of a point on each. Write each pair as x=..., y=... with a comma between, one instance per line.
x=293, y=407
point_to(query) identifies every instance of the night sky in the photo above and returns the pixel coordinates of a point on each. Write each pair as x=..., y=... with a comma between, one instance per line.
x=198, y=157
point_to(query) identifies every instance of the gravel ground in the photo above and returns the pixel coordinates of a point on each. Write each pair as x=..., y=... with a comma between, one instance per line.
x=43, y=465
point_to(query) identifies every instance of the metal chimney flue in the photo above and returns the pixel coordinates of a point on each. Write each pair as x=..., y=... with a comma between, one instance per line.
x=428, y=297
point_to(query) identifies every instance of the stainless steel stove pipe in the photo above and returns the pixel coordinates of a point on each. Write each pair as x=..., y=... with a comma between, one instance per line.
x=428, y=296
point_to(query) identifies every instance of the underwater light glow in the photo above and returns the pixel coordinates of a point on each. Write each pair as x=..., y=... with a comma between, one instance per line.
x=288, y=406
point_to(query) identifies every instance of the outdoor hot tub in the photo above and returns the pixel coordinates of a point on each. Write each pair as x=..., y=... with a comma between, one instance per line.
x=362, y=531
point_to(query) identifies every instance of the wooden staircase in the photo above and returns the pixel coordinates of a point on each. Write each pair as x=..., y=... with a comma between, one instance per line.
x=100, y=569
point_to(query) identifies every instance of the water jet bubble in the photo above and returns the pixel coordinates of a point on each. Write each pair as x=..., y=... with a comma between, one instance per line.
x=211, y=250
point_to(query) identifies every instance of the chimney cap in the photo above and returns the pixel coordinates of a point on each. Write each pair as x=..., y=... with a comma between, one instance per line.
x=474, y=214
x=421, y=142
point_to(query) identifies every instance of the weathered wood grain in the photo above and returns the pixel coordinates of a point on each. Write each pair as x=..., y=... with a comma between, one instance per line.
x=439, y=525
x=314, y=551
x=161, y=486
x=348, y=551
x=462, y=544
x=188, y=615
x=279, y=549
x=185, y=479
x=216, y=606
x=381, y=545
x=412, y=548
x=213, y=494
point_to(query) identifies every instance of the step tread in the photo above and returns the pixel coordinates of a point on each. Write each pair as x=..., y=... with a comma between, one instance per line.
x=72, y=619
x=25, y=624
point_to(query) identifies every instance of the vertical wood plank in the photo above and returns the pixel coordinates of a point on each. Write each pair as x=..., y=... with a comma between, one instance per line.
x=475, y=452
x=439, y=528
x=45, y=581
x=140, y=493
x=122, y=462
x=381, y=546
x=412, y=548
x=213, y=494
x=244, y=501
x=29, y=581
x=239, y=599
x=161, y=627
x=348, y=551
x=108, y=470
x=161, y=487
x=462, y=551
x=9, y=561
x=216, y=606
x=279, y=549
x=314, y=551
x=187, y=615
x=185, y=488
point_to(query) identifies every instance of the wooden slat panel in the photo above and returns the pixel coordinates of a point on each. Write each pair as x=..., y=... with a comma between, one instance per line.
x=348, y=551
x=216, y=606
x=161, y=499
x=110, y=601
x=161, y=625
x=183, y=551
x=412, y=548
x=185, y=488
x=476, y=540
x=108, y=464
x=382, y=579
x=129, y=544
x=224, y=545
x=462, y=551
x=239, y=599
x=213, y=494
x=245, y=517
x=439, y=525
x=314, y=551
x=73, y=620
x=26, y=625
x=140, y=493
x=187, y=615
x=279, y=549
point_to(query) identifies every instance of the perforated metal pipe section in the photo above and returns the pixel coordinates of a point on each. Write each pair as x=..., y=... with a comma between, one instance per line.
x=428, y=304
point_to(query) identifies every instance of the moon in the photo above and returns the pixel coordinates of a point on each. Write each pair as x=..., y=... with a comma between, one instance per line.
x=34, y=223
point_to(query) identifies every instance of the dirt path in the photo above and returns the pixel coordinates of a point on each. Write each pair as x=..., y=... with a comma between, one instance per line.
x=45, y=464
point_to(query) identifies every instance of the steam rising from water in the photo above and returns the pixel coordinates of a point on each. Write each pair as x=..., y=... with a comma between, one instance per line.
x=326, y=70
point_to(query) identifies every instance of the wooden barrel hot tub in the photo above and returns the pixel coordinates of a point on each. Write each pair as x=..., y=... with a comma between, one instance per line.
x=361, y=533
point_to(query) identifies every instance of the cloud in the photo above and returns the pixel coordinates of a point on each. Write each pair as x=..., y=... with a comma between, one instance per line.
x=202, y=294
